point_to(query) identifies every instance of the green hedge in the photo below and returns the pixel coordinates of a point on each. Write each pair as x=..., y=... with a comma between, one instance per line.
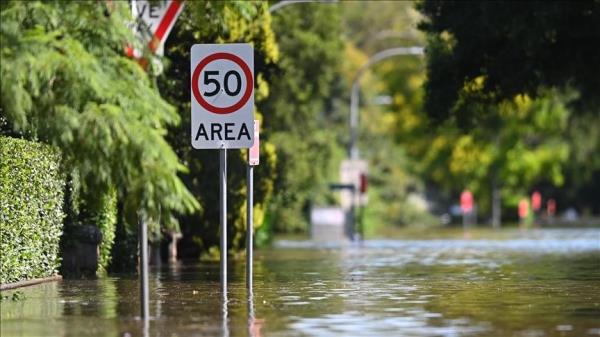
x=106, y=220
x=31, y=215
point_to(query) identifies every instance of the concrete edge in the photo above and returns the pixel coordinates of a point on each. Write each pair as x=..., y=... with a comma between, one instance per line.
x=27, y=283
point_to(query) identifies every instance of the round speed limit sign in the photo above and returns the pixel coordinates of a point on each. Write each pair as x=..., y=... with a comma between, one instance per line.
x=222, y=95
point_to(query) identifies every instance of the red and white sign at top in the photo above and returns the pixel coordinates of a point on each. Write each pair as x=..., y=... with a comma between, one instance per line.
x=154, y=21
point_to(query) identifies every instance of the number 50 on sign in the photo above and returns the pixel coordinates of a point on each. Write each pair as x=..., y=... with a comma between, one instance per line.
x=222, y=95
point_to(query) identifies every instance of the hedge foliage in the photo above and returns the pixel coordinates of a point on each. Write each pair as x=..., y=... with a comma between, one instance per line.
x=31, y=214
x=106, y=221
x=66, y=82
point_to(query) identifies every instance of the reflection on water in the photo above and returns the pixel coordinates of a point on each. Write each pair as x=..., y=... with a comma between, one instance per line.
x=544, y=284
x=224, y=316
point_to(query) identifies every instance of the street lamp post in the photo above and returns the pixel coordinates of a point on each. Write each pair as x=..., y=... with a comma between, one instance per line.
x=355, y=93
x=354, y=114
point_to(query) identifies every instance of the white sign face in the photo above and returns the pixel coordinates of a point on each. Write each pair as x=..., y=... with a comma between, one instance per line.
x=155, y=21
x=222, y=93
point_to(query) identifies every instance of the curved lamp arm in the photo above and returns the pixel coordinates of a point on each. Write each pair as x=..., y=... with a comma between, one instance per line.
x=354, y=96
x=285, y=3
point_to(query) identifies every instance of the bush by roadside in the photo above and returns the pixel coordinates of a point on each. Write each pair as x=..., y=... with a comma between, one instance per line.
x=31, y=214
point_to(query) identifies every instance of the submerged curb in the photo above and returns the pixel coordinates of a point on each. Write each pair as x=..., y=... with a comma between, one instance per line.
x=27, y=283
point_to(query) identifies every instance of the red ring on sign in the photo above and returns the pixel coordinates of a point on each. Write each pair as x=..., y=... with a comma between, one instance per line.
x=228, y=109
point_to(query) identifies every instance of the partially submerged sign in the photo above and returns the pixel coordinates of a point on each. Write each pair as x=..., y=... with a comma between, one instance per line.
x=222, y=104
x=222, y=94
x=328, y=224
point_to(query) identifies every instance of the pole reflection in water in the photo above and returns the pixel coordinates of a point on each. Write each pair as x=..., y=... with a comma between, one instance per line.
x=225, y=326
x=158, y=302
x=250, y=314
x=145, y=327
x=254, y=324
x=542, y=282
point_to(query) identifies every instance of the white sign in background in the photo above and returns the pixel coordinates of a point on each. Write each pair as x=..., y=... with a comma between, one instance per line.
x=222, y=96
x=350, y=172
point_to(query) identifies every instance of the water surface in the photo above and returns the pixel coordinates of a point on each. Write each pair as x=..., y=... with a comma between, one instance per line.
x=540, y=283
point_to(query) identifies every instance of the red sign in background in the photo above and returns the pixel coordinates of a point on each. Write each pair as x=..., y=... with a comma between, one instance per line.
x=466, y=201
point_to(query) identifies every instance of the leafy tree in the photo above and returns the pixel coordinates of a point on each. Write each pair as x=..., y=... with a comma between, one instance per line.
x=517, y=47
x=66, y=82
x=526, y=147
x=299, y=107
x=375, y=25
x=483, y=56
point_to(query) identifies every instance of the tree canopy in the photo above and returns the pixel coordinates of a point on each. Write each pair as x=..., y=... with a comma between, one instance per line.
x=514, y=48
x=66, y=81
x=300, y=118
x=487, y=61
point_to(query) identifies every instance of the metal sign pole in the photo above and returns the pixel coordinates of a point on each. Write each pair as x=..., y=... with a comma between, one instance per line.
x=143, y=246
x=251, y=320
x=249, y=226
x=353, y=214
x=253, y=160
x=223, y=201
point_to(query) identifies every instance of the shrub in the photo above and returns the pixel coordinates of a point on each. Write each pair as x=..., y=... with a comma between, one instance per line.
x=31, y=215
x=106, y=220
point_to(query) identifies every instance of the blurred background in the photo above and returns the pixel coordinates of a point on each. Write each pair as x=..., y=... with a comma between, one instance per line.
x=427, y=168
x=489, y=121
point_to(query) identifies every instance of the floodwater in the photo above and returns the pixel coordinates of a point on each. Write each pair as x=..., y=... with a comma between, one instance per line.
x=541, y=283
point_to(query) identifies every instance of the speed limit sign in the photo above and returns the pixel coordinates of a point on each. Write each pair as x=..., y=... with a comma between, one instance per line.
x=222, y=94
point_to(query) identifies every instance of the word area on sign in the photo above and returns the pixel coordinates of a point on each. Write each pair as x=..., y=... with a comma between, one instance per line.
x=225, y=131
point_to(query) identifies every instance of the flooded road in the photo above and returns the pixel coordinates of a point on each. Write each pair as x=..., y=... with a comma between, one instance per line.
x=541, y=283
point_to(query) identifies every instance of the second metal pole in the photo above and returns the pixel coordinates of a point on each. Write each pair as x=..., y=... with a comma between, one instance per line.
x=223, y=209
x=249, y=226
x=143, y=245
